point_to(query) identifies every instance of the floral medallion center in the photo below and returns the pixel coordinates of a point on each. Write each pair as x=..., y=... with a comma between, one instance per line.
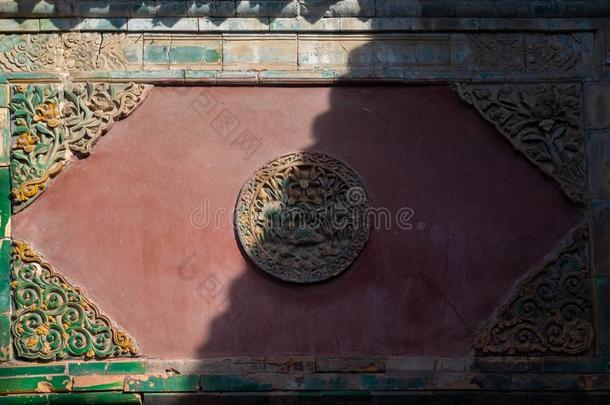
x=303, y=217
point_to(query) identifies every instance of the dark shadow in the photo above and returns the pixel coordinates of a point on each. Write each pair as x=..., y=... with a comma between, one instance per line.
x=335, y=133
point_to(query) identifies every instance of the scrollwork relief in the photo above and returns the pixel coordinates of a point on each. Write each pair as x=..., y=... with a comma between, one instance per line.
x=551, y=311
x=72, y=52
x=527, y=52
x=541, y=121
x=53, y=320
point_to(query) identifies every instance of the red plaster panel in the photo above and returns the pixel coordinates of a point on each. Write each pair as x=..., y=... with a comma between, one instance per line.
x=119, y=223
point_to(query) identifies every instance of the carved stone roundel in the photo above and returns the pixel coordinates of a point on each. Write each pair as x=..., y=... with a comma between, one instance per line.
x=303, y=217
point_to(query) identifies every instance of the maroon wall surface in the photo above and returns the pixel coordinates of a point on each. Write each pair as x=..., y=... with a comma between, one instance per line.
x=120, y=223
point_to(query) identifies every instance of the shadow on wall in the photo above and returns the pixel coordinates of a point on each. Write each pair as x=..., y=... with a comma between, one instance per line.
x=312, y=311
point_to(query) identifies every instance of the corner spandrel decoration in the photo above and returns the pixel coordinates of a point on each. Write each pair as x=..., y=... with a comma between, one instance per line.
x=50, y=124
x=551, y=312
x=303, y=217
x=90, y=109
x=541, y=121
x=53, y=320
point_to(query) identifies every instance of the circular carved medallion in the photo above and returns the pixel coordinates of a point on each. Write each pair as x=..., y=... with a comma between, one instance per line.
x=303, y=217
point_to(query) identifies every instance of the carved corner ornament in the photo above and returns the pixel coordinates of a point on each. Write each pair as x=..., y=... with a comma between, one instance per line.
x=541, y=121
x=551, y=311
x=50, y=124
x=53, y=320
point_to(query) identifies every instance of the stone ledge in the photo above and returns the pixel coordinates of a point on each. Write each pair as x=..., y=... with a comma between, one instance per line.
x=289, y=24
x=305, y=8
x=413, y=75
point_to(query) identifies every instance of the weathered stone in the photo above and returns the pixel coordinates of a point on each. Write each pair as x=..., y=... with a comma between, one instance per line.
x=211, y=8
x=260, y=52
x=163, y=24
x=172, y=8
x=600, y=234
x=576, y=365
x=6, y=353
x=560, y=382
x=381, y=51
x=5, y=140
x=513, y=24
x=300, y=24
x=201, y=52
x=107, y=368
x=315, y=9
x=94, y=398
x=98, y=383
x=35, y=384
x=451, y=364
x=271, y=8
x=597, y=100
x=156, y=51
x=396, y=363
x=293, y=364
x=598, y=143
x=10, y=25
x=284, y=77
x=103, y=9
x=444, y=24
x=162, y=383
x=501, y=364
x=234, y=24
x=32, y=370
x=356, y=364
x=602, y=289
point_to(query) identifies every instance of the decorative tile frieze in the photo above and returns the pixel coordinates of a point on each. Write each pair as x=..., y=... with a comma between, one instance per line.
x=53, y=320
x=536, y=52
x=90, y=109
x=551, y=311
x=47, y=124
x=72, y=52
x=541, y=121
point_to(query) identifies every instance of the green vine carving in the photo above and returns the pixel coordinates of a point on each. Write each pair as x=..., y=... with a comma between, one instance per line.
x=38, y=147
x=90, y=109
x=53, y=320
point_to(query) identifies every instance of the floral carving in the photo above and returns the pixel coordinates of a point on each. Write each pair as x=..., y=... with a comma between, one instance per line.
x=543, y=122
x=91, y=109
x=551, y=311
x=303, y=217
x=73, y=52
x=54, y=320
x=39, y=150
